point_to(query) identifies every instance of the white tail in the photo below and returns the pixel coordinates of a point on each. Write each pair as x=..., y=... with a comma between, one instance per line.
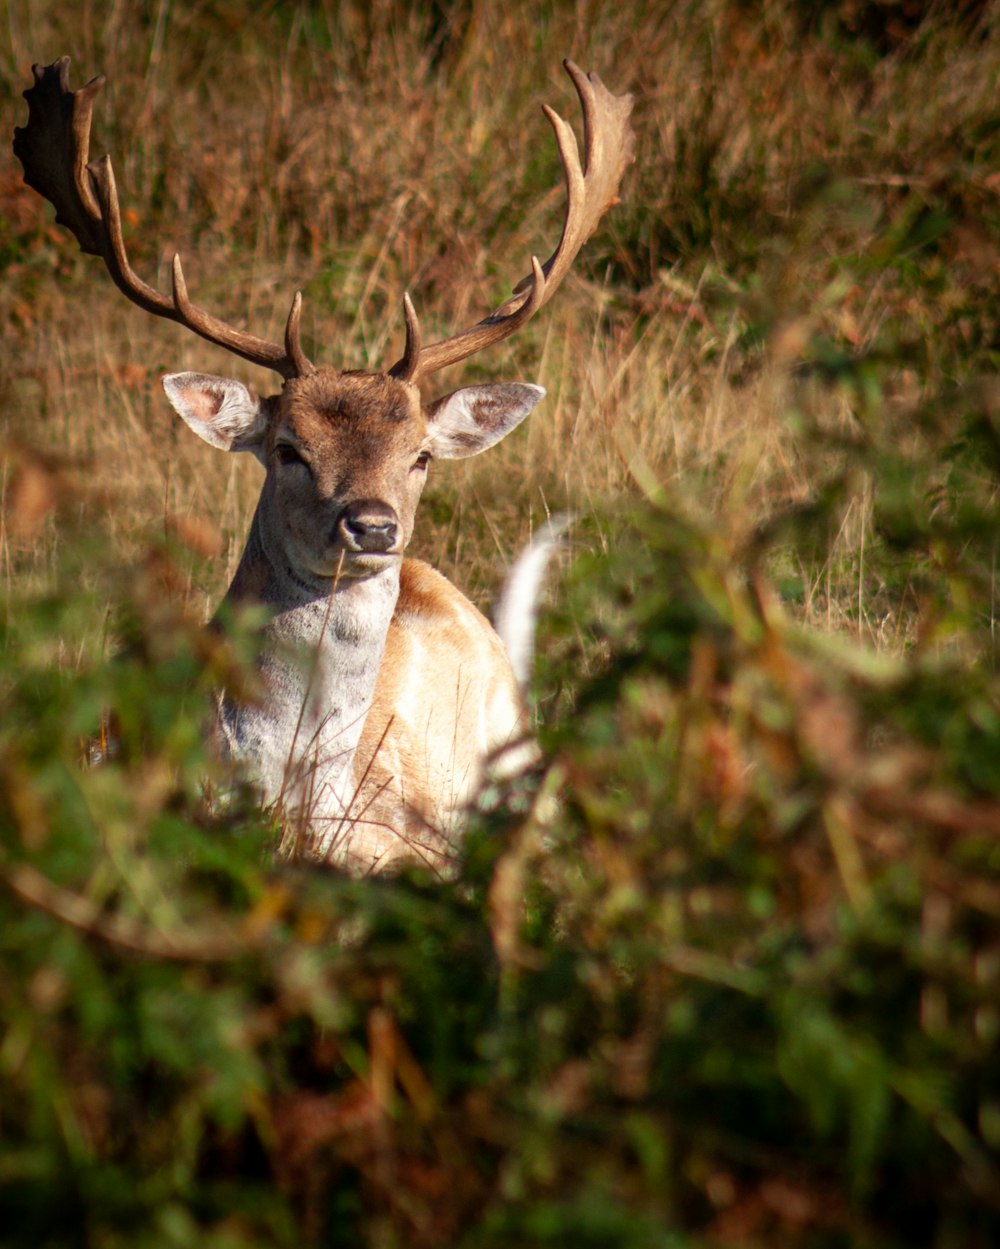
x=386, y=692
x=515, y=616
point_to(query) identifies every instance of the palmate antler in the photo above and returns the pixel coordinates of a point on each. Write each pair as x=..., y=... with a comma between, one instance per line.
x=54, y=147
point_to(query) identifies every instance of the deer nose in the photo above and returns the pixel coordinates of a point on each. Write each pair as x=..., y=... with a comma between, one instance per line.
x=367, y=525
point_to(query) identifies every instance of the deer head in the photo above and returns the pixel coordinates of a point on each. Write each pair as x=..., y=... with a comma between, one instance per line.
x=345, y=452
x=345, y=456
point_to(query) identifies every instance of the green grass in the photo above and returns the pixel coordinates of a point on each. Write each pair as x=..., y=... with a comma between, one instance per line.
x=724, y=970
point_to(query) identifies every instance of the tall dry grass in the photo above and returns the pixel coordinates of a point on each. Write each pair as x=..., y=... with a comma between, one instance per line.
x=357, y=151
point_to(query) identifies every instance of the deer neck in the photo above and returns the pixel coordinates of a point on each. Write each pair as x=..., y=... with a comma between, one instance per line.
x=319, y=662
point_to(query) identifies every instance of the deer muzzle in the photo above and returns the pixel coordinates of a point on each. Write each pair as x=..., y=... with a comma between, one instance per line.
x=367, y=527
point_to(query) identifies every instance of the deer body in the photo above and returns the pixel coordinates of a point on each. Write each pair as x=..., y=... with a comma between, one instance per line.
x=356, y=737
x=446, y=710
x=385, y=695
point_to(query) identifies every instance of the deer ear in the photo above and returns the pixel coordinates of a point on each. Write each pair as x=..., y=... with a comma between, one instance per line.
x=222, y=411
x=470, y=420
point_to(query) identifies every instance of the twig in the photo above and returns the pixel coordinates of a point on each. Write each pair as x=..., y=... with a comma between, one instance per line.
x=198, y=946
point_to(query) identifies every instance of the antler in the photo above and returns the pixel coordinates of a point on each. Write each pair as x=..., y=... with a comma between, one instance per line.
x=53, y=148
x=609, y=148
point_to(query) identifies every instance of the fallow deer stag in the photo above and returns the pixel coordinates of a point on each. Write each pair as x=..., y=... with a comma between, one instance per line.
x=386, y=693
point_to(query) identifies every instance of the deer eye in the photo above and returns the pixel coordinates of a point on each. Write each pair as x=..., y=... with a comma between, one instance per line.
x=422, y=460
x=285, y=453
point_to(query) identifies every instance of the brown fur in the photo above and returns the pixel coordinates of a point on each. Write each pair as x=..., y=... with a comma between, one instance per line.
x=444, y=684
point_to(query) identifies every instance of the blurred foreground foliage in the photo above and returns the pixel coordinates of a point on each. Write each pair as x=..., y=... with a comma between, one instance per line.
x=725, y=971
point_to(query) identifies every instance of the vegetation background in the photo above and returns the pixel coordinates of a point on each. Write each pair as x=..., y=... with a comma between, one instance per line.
x=726, y=970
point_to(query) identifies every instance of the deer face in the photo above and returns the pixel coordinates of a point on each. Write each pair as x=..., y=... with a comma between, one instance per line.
x=346, y=457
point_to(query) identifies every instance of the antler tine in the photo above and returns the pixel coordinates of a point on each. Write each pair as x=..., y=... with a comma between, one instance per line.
x=405, y=369
x=591, y=189
x=53, y=148
x=289, y=361
x=293, y=345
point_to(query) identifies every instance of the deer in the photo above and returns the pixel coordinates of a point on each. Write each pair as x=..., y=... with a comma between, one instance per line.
x=386, y=698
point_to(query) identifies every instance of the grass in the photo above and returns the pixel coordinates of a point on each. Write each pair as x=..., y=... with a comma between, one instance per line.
x=329, y=192
x=725, y=970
